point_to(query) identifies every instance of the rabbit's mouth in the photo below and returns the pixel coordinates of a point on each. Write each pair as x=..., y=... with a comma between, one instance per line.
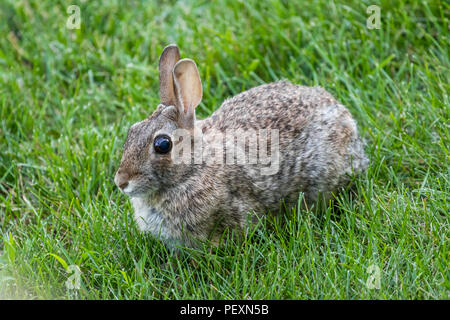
x=135, y=190
x=129, y=189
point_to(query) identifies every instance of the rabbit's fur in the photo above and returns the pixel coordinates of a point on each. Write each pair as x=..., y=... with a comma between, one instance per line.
x=319, y=150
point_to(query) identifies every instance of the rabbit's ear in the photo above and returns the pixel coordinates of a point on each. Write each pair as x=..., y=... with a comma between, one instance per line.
x=169, y=57
x=188, y=89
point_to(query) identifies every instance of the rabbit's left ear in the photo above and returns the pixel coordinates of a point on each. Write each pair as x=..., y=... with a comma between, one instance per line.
x=188, y=90
x=169, y=57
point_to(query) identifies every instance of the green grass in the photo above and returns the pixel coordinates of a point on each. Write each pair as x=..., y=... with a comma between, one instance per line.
x=67, y=98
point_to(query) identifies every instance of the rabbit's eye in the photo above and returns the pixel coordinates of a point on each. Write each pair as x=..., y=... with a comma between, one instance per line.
x=162, y=144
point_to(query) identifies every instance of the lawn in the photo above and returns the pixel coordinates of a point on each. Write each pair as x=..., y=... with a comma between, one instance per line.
x=68, y=97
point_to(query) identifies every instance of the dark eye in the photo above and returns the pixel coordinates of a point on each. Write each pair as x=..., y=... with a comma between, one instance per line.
x=162, y=144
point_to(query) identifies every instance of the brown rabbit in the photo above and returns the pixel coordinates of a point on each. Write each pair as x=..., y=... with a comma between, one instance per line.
x=314, y=148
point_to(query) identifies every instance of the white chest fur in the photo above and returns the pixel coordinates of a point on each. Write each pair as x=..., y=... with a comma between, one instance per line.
x=150, y=219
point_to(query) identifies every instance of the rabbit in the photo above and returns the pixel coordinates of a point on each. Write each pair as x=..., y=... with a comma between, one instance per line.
x=318, y=146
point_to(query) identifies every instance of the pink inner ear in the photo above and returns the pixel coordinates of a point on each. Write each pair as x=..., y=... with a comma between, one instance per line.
x=188, y=84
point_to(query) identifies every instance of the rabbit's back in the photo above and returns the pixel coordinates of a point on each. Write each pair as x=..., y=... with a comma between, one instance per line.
x=319, y=145
x=277, y=105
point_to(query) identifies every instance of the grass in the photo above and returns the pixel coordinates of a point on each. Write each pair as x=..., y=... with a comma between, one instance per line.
x=67, y=98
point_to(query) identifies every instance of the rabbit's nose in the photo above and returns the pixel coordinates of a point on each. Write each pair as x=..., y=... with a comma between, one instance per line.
x=121, y=179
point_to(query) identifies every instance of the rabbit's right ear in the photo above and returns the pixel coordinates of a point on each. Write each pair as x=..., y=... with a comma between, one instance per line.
x=169, y=57
x=188, y=90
